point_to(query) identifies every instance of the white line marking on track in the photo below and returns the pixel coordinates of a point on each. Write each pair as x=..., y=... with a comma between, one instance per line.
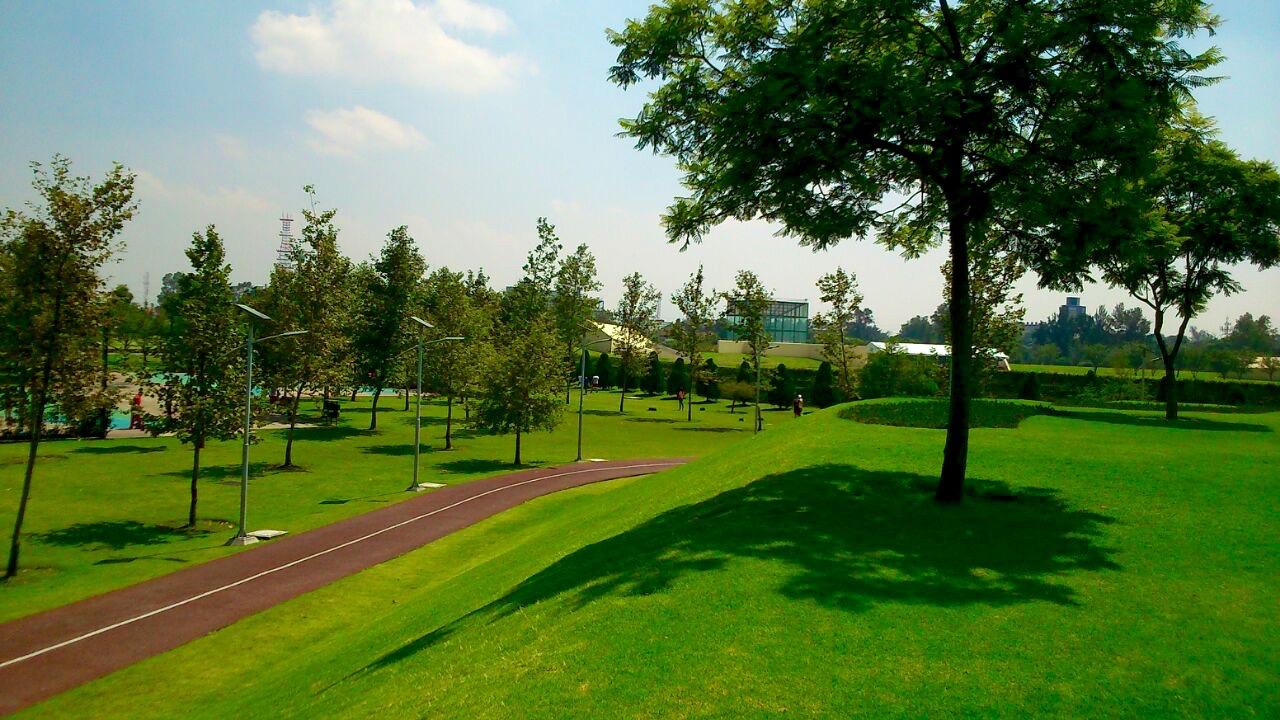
x=312, y=556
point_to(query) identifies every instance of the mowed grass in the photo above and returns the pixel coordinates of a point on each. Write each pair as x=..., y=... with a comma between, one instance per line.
x=106, y=513
x=733, y=360
x=1106, y=564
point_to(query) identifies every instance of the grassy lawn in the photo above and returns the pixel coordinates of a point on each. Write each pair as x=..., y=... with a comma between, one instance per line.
x=1108, y=564
x=1254, y=375
x=105, y=513
x=733, y=360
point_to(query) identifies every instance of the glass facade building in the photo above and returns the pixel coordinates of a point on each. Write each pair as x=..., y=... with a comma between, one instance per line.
x=785, y=320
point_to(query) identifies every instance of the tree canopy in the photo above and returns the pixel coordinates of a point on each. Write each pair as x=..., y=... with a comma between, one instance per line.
x=912, y=119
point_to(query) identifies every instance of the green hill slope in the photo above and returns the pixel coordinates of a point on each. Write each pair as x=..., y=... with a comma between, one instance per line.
x=1107, y=564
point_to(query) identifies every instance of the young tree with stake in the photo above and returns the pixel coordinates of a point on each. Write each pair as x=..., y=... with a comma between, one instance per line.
x=840, y=290
x=384, y=335
x=692, y=334
x=314, y=295
x=637, y=321
x=207, y=404
x=573, y=305
x=745, y=306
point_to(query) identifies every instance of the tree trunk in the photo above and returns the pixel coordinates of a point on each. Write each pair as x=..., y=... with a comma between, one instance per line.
x=448, y=425
x=517, y=446
x=37, y=425
x=195, y=476
x=406, y=399
x=293, y=420
x=688, y=398
x=373, y=414
x=353, y=393
x=1169, y=356
x=622, y=397
x=955, y=454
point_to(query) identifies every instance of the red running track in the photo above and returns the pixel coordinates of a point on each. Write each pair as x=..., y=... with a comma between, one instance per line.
x=54, y=651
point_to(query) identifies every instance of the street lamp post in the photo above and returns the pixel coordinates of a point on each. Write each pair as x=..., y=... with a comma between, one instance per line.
x=417, y=420
x=241, y=536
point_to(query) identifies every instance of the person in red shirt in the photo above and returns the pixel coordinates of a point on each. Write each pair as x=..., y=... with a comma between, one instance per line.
x=135, y=412
x=797, y=405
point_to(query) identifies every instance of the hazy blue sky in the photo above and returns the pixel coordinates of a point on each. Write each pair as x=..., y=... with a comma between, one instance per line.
x=463, y=120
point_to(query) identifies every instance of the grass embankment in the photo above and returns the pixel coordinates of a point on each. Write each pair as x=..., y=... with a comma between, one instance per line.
x=107, y=513
x=1107, y=564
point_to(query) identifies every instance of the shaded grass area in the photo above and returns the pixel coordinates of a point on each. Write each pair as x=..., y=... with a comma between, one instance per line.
x=103, y=514
x=1129, y=572
x=932, y=412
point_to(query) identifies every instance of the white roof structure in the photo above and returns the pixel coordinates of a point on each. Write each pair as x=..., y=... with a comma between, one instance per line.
x=921, y=349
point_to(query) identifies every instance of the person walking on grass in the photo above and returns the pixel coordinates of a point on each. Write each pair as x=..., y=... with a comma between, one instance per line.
x=797, y=405
x=680, y=397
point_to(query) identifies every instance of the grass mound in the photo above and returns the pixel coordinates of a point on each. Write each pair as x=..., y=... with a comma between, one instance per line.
x=932, y=412
x=803, y=572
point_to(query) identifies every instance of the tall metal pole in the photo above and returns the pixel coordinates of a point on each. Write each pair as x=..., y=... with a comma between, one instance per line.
x=417, y=422
x=241, y=537
x=582, y=393
x=756, y=356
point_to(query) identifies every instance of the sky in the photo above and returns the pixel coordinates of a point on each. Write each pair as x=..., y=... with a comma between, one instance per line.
x=464, y=120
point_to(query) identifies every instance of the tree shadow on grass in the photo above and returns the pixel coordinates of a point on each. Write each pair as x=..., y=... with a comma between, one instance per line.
x=324, y=433
x=376, y=497
x=845, y=538
x=226, y=473
x=664, y=421
x=1157, y=421
x=118, y=449
x=711, y=429
x=478, y=465
x=116, y=535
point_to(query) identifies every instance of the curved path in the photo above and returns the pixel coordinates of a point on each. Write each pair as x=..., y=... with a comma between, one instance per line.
x=50, y=652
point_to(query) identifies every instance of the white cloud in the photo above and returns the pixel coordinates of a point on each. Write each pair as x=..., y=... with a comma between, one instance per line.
x=223, y=199
x=396, y=41
x=231, y=146
x=357, y=130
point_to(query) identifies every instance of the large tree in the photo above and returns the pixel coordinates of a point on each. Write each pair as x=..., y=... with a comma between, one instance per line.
x=839, y=290
x=692, y=334
x=916, y=120
x=315, y=295
x=204, y=372
x=638, y=322
x=573, y=305
x=1210, y=211
x=53, y=304
x=745, y=308
x=385, y=333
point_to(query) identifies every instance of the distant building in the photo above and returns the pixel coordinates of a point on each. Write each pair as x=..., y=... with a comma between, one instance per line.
x=786, y=321
x=1072, y=309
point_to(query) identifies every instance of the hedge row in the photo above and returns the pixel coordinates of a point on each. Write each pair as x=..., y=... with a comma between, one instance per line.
x=1091, y=388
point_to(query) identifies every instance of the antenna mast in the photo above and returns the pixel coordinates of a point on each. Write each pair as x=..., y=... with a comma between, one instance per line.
x=284, y=253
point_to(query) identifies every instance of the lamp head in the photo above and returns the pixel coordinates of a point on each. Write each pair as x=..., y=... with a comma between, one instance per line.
x=252, y=313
